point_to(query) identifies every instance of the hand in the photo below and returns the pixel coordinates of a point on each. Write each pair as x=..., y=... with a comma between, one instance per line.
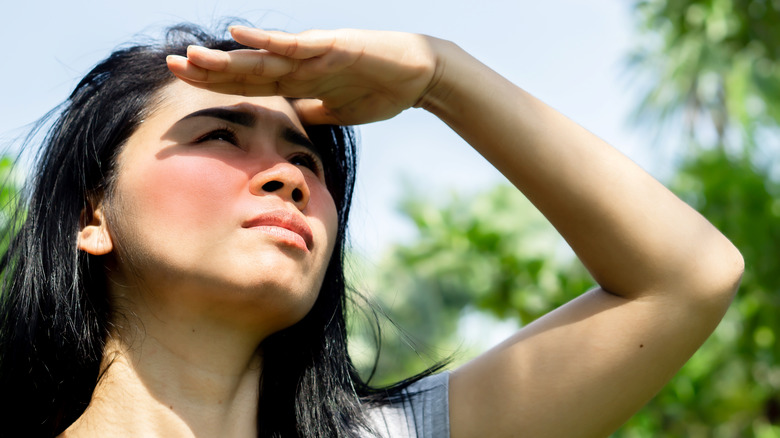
x=345, y=77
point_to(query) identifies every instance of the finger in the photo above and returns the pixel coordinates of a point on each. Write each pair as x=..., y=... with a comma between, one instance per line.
x=313, y=112
x=237, y=88
x=273, y=88
x=182, y=68
x=179, y=66
x=245, y=62
x=304, y=45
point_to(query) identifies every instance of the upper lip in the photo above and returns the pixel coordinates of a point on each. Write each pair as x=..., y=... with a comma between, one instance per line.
x=284, y=219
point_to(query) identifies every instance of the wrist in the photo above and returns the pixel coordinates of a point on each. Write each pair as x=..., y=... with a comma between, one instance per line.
x=458, y=85
x=439, y=89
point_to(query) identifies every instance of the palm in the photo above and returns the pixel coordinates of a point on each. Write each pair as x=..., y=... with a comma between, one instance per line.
x=343, y=77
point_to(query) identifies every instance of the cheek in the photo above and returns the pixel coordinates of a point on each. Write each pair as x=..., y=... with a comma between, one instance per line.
x=186, y=189
x=322, y=203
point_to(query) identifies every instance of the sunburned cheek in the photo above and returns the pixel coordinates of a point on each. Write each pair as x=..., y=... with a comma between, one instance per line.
x=191, y=189
x=321, y=200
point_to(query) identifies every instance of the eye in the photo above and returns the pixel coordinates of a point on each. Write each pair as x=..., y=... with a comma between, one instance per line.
x=222, y=134
x=307, y=160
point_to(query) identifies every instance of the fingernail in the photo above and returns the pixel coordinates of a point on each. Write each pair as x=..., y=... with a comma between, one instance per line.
x=192, y=49
x=173, y=60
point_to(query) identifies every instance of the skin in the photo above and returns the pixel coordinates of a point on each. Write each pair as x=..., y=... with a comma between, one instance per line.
x=666, y=276
x=198, y=288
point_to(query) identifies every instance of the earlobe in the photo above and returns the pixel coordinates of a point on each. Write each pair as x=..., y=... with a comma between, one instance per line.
x=94, y=237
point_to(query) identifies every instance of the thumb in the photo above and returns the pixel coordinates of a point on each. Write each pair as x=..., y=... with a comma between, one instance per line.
x=314, y=112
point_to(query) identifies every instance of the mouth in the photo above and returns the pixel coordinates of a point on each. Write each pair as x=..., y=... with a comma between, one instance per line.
x=284, y=226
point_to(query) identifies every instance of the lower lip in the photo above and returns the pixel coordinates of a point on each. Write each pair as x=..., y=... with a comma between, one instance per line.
x=284, y=235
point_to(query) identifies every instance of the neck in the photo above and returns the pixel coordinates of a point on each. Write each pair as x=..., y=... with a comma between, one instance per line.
x=184, y=379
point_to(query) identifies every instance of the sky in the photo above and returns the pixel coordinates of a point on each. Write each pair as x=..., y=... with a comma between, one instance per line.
x=569, y=53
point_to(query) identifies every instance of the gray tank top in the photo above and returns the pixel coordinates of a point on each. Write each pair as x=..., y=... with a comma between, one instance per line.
x=424, y=414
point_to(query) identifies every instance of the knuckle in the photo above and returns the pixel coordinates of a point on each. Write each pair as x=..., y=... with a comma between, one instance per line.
x=222, y=63
x=259, y=66
x=295, y=70
x=292, y=48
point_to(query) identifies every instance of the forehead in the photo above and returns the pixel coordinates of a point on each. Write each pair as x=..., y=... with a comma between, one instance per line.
x=177, y=100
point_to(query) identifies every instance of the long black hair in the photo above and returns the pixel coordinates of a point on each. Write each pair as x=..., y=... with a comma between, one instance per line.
x=54, y=309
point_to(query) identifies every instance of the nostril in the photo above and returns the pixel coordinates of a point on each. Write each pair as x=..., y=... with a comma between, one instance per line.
x=297, y=195
x=272, y=186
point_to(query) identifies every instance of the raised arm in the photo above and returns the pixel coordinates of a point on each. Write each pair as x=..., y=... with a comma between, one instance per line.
x=666, y=275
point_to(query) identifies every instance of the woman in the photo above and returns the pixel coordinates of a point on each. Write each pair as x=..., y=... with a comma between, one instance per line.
x=183, y=240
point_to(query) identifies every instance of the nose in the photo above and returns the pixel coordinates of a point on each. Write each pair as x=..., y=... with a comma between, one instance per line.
x=284, y=180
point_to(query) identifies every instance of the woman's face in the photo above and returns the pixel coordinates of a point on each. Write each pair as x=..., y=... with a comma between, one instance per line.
x=220, y=207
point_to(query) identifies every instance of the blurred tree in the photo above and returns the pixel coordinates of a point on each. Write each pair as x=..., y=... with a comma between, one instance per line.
x=712, y=69
x=493, y=253
x=712, y=66
x=731, y=386
x=9, y=195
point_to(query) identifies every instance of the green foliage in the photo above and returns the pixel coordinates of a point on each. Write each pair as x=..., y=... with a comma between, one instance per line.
x=493, y=253
x=712, y=66
x=731, y=386
x=9, y=195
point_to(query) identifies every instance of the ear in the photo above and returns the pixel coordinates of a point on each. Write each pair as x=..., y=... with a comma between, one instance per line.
x=94, y=237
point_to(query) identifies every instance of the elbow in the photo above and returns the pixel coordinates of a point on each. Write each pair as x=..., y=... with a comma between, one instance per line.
x=722, y=275
x=737, y=269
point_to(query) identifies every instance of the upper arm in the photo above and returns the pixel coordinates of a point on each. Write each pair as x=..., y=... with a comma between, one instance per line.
x=582, y=370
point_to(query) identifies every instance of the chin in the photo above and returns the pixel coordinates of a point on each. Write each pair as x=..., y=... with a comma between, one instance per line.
x=275, y=303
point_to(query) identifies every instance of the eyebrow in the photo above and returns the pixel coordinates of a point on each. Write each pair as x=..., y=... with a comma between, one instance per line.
x=239, y=117
x=248, y=119
x=295, y=136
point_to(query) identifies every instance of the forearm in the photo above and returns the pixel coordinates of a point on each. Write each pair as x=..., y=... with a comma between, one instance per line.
x=634, y=235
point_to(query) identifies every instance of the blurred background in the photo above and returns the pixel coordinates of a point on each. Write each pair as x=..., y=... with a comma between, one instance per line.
x=449, y=251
